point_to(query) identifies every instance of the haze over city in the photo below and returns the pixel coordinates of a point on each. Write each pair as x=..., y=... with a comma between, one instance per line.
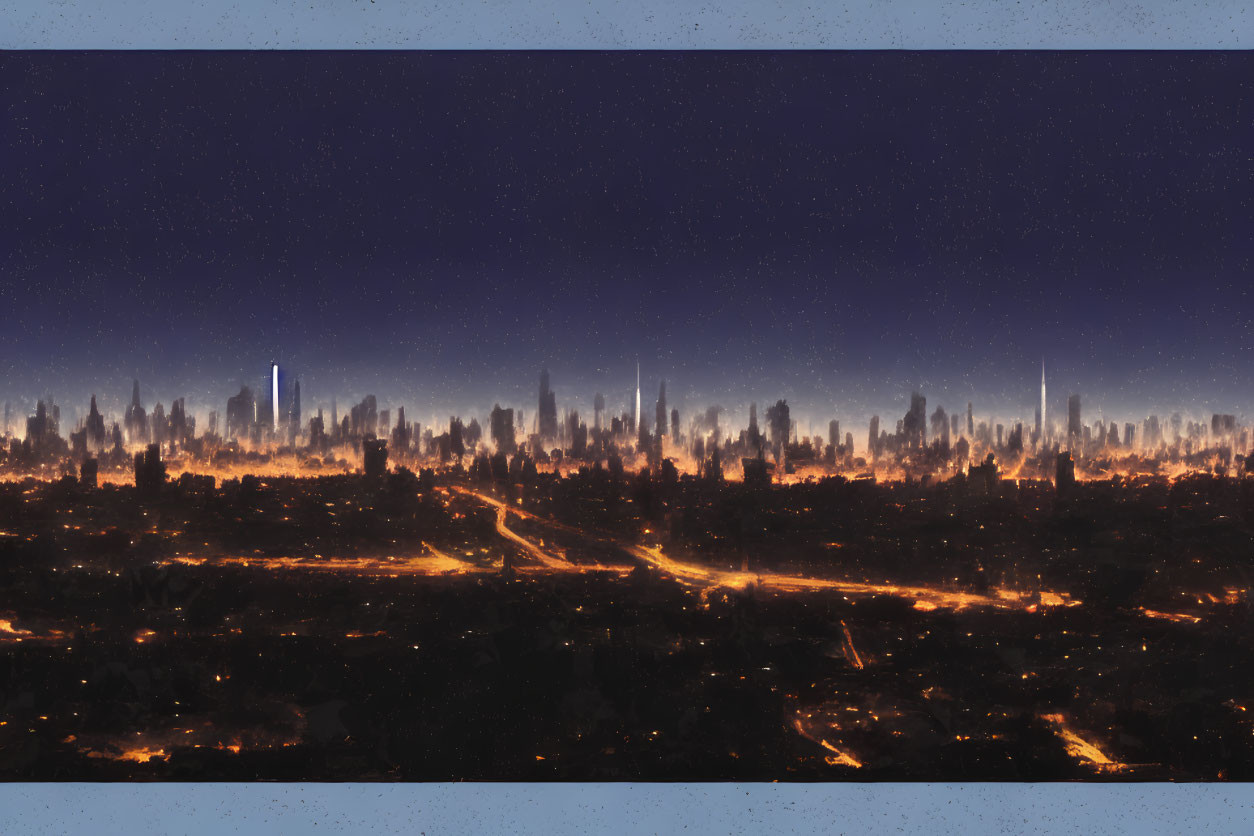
x=835, y=230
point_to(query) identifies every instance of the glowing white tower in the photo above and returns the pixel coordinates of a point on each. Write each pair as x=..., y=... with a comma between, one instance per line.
x=1043, y=424
x=274, y=392
x=637, y=396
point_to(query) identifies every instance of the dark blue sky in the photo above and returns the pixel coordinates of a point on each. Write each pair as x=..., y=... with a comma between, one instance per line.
x=833, y=228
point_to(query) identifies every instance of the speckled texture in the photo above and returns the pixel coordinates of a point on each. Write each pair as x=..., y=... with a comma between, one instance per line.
x=131, y=810
x=651, y=24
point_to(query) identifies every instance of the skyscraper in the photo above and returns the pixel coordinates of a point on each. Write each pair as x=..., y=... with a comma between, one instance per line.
x=1073, y=418
x=637, y=414
x=659, y=420
x=95, y=427
x=241, y=413
x=547, y=417
x=274, y=395
x=136, y=420
x=294, y=407
x=1042, y=421
x=914, y=424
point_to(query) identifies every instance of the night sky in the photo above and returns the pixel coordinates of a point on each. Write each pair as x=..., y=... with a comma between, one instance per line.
x=830, y=228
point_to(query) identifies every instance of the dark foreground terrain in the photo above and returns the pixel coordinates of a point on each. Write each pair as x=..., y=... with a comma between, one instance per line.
x=601, y=628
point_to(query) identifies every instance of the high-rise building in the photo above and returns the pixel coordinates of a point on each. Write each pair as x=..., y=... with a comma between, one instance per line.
x=274, y=396
x=1041, y=418
x=940, y=426
x=241, y=413
x=293, y=412
x=659, y=418
x=1074, y=427
x=547, y=428
x=914, y=424
x=636, y=415
x=501, y=426
x=363, y=419
x=136, y=420
x=95, y=428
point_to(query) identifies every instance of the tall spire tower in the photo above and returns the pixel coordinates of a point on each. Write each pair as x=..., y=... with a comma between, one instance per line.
x=637, y=396
x=274, y=394
x=1043, y=423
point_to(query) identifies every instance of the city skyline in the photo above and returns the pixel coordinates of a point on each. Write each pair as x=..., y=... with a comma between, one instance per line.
x=626, y=416
x=271, y=417
x=809, y=421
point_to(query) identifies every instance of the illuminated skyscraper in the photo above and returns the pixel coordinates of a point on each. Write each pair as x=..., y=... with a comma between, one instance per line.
x=274, y=394
x=637, y=415
x=1043, y=419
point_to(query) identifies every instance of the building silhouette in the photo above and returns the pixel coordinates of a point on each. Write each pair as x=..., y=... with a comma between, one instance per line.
x=1074, y=427
x=660, y=414
x=548, y=410
x=241, y=414
x=136, y=419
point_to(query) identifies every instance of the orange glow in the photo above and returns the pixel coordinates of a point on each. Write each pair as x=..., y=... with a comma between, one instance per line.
x=839, y=757
x=1079, y=748
x=432, y=563
x=7, y=627
x=138, y=754
x=851, y=652
x=1178, y=617
x=925, y=597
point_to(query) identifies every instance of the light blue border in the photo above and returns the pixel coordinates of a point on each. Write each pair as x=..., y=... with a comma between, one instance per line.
x=617, y=24
x=557, y=809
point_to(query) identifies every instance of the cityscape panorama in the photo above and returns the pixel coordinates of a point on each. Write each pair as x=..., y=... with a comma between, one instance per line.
x=626, y=416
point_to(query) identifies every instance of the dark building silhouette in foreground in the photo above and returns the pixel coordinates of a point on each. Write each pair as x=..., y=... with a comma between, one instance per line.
x=374, y=454
x=1064, y=478
x=149, y=470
